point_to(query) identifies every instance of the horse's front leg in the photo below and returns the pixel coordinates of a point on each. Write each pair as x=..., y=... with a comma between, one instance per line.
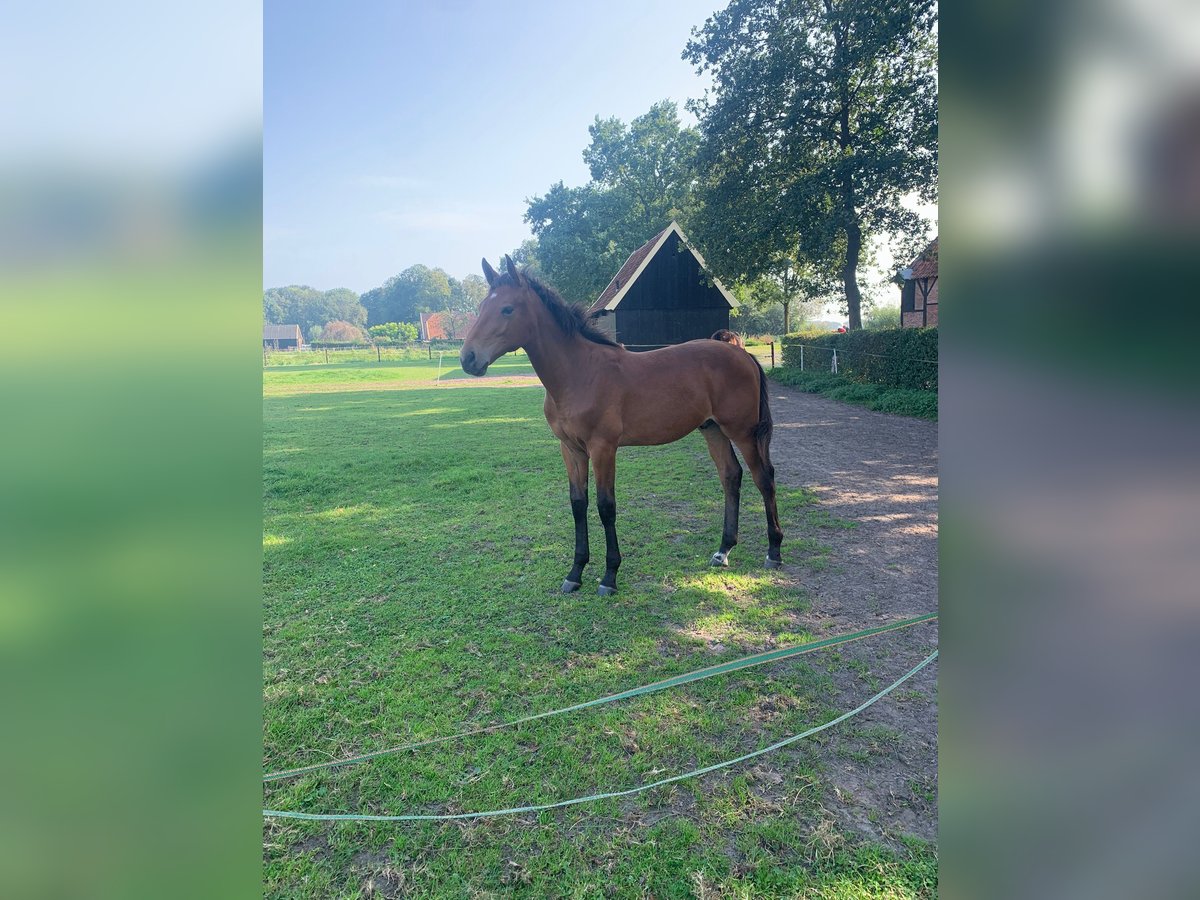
x=577, y=473
x=604, y=464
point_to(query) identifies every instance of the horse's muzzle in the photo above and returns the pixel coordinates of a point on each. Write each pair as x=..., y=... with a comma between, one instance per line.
x=471, y=364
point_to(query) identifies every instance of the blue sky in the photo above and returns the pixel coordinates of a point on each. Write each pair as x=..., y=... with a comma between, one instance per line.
x=402, y=133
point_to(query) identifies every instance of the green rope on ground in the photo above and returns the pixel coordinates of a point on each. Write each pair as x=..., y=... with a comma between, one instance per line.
x=757, y=659
x=351, y=817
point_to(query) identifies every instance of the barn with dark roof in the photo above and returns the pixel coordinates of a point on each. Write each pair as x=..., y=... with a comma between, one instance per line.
x=282, y=337
x=663, y=295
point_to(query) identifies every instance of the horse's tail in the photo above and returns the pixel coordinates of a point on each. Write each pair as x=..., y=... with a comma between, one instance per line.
x=765, y=426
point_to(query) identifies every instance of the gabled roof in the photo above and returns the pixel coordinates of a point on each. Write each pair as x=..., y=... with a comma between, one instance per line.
x=926, y=265
x=281, y=332
x=636, y=264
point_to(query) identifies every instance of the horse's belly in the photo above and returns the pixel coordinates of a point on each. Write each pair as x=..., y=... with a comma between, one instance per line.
x=661, y=432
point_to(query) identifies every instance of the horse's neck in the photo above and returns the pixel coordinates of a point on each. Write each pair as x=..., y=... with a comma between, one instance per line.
x=557, y=358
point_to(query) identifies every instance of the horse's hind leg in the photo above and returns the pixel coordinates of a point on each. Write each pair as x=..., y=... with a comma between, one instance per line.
x=763, y=473
x=604, y=464
x=730, y=470
x=577, y=474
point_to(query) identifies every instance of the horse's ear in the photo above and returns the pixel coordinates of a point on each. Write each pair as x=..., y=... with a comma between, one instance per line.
x=489, y=273
x=512, y=268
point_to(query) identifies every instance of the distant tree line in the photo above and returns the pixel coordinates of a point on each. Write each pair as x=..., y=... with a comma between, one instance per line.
x=389, y=312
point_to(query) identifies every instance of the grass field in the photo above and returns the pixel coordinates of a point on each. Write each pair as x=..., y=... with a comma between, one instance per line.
x=414, y=539
x=339, y=377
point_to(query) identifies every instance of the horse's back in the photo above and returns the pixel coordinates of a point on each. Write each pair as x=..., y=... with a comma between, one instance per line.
x=705, y=354
x=674, y=390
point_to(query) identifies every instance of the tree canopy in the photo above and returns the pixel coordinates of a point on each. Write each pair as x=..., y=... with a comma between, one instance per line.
x=467, y=294
x=396, y=332
x=402, y=298
x=308, y=307
x=823, y=116
x=642, y=177
x=342, y=332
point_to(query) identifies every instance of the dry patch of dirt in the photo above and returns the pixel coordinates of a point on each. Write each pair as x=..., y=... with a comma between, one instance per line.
x=881, y=472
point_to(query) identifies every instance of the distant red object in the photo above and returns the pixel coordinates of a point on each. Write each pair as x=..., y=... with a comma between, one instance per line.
x=842, y=329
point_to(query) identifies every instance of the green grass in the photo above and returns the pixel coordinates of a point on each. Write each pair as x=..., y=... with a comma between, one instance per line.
x=414, y=540
x=359, y=355
x=390, y=375
x=901, y=401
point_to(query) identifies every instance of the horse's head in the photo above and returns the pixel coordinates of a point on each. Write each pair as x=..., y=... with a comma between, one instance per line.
x=505, y=319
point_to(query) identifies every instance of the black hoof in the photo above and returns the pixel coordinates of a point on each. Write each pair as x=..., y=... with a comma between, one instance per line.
x=568, y=586
x=774, y=563
x=605, y=591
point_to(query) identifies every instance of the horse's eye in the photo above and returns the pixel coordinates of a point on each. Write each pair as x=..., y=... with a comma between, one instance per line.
x=507, y=311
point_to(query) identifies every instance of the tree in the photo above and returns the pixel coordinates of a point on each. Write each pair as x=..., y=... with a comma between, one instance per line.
x=395, y=332
x=823, y=115
x=642, y=177
x=646, y=170
x=456, y=323
x=402, y=298
x=308, y=307
x=526, y=257
x=751, y=320
x=466, y=295
x=883, y=317
x=342, y=332
x=574, y=250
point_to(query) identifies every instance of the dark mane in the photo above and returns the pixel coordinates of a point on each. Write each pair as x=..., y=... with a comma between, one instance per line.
x=572, y=318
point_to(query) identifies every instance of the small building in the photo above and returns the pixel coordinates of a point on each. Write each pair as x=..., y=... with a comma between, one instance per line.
x=919, y=290
x=444, y=326
x=663, y=295
x=282, y=337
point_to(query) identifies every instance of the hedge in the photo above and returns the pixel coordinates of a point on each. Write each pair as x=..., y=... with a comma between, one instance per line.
x=894, y=357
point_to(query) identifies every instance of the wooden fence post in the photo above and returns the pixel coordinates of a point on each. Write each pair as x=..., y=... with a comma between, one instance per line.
x=326, y=354
x=772, y=354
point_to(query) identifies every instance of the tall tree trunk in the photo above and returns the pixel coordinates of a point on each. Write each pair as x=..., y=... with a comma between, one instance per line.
x=849, y=213
x=787, y=316
x=850, y=274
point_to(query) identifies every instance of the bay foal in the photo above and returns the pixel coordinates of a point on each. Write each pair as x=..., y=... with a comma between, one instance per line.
x=600, y=396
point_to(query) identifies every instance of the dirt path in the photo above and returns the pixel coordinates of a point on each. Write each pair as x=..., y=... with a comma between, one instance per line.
x=881, y=472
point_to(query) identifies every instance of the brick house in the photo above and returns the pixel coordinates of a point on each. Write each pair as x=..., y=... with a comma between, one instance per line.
x=444, y=326
x=919, y=290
